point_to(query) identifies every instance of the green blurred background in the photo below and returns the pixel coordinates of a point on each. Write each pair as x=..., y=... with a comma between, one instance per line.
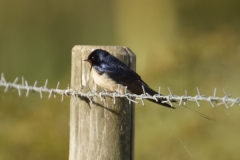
x=178, y=44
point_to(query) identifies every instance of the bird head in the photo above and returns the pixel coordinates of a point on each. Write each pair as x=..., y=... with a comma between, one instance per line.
x=96, y=56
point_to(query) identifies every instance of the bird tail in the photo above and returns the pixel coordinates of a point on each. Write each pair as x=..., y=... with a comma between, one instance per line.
x=138, y=86
x=160, y=101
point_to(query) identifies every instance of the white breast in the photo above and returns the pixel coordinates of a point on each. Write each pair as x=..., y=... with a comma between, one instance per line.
x=105, y=82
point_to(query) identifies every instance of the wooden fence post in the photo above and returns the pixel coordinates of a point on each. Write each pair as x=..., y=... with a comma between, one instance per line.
x=99, y=130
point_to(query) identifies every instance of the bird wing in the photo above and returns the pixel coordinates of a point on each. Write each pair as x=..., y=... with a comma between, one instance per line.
x=123, y=75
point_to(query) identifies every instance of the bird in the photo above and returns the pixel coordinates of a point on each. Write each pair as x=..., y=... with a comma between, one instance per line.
x=112, y=74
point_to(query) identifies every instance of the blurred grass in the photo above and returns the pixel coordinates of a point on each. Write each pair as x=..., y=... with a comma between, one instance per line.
x=179, y=45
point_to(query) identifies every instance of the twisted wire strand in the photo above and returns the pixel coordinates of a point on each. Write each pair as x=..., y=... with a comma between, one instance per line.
x=24, y=86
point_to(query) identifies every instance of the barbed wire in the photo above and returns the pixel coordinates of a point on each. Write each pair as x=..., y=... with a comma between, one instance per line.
x=225, y=100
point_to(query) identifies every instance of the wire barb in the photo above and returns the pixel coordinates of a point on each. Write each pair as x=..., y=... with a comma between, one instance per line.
x=24, y=86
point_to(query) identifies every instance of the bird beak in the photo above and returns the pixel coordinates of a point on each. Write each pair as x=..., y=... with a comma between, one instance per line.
x=89, y=62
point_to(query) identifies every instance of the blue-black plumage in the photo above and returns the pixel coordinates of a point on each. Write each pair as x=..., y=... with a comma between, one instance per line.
x=112, y=74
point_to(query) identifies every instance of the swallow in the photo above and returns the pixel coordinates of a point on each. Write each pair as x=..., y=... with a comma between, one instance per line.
x=112, y=74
